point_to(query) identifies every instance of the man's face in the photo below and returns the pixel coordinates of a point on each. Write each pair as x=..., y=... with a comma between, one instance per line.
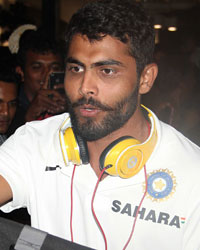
x=8, y=104
x=37, y=69
x=101, y=85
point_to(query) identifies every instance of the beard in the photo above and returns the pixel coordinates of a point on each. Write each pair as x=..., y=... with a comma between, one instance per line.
x=115, y=117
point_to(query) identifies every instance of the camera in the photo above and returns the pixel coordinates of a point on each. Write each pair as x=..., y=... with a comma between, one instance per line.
x=57, y=78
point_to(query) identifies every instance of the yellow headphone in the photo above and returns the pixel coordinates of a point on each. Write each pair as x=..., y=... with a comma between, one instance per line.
x=124, y=157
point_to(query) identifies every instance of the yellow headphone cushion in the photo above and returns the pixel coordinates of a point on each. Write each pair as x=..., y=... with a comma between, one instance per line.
x=122, y=158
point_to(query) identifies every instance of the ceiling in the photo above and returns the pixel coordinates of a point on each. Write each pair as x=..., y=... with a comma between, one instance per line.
x=68, y=7
x=169, y=5
x=186, y=13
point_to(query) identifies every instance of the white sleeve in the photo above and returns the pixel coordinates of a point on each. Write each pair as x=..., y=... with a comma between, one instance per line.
x=14, y=167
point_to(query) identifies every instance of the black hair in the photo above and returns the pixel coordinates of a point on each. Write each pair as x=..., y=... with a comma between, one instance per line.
x=122, y=19
x=37, y=41
x=7, y=66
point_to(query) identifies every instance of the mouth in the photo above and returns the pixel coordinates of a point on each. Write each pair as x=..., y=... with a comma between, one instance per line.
x=89, y=110
x=4, y=121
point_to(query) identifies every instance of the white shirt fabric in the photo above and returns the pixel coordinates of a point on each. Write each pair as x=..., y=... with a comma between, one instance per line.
x=169, y=216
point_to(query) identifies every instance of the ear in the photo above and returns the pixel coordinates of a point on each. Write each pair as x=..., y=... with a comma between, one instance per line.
x=148, y=77
x=19, y=71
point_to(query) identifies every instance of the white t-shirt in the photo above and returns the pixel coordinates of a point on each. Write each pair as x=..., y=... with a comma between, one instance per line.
x=169, y=216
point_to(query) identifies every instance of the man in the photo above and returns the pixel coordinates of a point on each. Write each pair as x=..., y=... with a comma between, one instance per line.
x=133, y=194
x=38, y=56
x=8, y=92
x=8, y=105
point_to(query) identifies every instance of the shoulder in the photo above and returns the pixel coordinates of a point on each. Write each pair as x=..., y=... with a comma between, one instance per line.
x=176, y=141
x=175, y=150
x=37, y=134
x=37, y=138
x=48, y=125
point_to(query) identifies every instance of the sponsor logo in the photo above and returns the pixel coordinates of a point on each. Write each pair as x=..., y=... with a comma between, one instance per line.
x=48, y=168
x=149, y=215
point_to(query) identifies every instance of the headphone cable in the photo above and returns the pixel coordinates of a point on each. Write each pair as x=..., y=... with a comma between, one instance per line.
x=92, y=202
x=138, y=209
x=92, y=206
x=145, y=192
x=71, y=211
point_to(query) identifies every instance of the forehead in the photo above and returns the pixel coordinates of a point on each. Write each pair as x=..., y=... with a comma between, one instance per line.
x=48, y=57
x=8, y=91
x=106, y=48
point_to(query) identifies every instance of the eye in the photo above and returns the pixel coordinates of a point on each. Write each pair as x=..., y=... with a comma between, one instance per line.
x=75, y=69
x=36, y=66
x=108, y=71
x=56, y=67
x=12, y=103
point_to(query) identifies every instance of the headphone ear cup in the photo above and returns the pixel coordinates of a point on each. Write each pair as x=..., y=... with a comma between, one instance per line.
x=121, y=158
x=83, y=149
x=106, y=151
x=75, y=147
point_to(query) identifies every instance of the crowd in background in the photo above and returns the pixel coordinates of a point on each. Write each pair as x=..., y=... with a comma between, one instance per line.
x=176, y=92
x=25, y=68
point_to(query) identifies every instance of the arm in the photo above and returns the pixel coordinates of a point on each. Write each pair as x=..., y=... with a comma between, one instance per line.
x=5, y=191
x=46, y=100
x=15, y=173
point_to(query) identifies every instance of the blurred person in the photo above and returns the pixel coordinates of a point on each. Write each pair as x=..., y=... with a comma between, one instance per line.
x=8, y=91
x=8, y=104
x=176, y=94
x=37, y=57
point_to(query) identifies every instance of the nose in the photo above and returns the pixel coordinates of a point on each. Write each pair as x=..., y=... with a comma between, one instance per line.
x=88, y=85
x=4, y=110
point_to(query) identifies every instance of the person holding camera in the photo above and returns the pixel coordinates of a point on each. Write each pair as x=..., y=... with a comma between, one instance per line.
x=37, y=57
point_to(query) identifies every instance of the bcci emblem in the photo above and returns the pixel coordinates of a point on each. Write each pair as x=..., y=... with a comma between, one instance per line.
x=161, y=185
